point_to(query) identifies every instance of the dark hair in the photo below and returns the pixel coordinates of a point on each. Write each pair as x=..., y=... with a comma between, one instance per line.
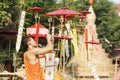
x=24, y=42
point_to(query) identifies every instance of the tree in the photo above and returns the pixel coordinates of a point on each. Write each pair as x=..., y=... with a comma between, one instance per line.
x=108, y=21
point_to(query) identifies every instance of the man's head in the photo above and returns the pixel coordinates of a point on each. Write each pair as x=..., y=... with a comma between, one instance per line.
x=29, y=42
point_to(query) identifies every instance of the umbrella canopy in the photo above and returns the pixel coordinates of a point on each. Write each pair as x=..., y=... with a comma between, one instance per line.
x=9, y=32
x=82, y=17
x=92, y=42
x=42, y=32
x=117, y=49
x=84, y=12
x=35, y=9
x=62, y=11
x=62, y=37
x=69, y=16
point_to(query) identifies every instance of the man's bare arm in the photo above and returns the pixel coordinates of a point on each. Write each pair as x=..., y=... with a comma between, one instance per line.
x=48, y=48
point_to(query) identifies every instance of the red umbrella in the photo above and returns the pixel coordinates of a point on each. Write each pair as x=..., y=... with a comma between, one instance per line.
x=82, y=17
x=10, y=34
x=62, y=11
x=62, y=37
x=92, y=42
x=85, y=12
x=69, y=16
x=42, y=31
x=117, y=49
x=36, y=9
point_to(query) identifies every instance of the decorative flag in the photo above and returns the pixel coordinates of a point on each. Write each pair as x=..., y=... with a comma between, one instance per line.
x=49, y=74
x=69, y=31
x=57, y=62
x=66, y=45
x=75, y=42
x=50, y=66
x=93, y=70
x=67, y=48
x=86, y=39
x=42, y=65
x=42, y=62
x=50, y=59
x=63, y=51
x=52, y=32
x=20, y=30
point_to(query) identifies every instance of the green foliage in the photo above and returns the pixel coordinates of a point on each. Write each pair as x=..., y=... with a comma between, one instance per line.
x=8, y=9
x=107, y=21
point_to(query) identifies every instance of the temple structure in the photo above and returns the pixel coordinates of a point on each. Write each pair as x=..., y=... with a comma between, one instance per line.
x=96, y=65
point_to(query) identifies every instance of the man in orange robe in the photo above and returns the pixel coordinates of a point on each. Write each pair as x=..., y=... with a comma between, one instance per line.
x=31, y=57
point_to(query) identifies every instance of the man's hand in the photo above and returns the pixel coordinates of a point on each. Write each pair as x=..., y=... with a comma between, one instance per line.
x=49, y=38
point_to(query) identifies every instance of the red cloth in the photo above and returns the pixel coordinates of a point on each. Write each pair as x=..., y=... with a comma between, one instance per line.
x=33, y=71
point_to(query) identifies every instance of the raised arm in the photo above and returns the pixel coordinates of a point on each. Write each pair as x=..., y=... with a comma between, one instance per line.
x=43, y=50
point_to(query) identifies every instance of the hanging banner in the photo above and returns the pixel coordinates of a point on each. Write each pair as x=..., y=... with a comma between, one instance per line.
x=75, y=43
x=67, y=48
x=49, y=74
x=67, y=25
x=50, y=59
x=57, y=60
x=20, y=30
x=63, y=50
x=42, y=62
x=93, y=70
x=53, y=29
x=50, y=66
x=66, y=45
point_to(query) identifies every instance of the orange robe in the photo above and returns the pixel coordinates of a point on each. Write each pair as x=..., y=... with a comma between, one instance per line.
x=33, y=71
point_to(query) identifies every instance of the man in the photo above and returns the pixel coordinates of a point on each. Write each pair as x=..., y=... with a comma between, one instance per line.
x=31, y=57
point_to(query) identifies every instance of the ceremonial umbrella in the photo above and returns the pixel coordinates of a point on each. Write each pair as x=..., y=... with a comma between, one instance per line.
x=117, y=49
x=62, y=11
x=90, y=42
x=63, y=37
x=9, y=33
x=116, y=59
x=36, y=10
x=84, y=12
x=31, y=30
x=82, y=17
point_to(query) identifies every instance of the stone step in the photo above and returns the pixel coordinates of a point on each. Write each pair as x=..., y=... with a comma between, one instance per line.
x=93, y=79
x=89, y=74
x=103, y=68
